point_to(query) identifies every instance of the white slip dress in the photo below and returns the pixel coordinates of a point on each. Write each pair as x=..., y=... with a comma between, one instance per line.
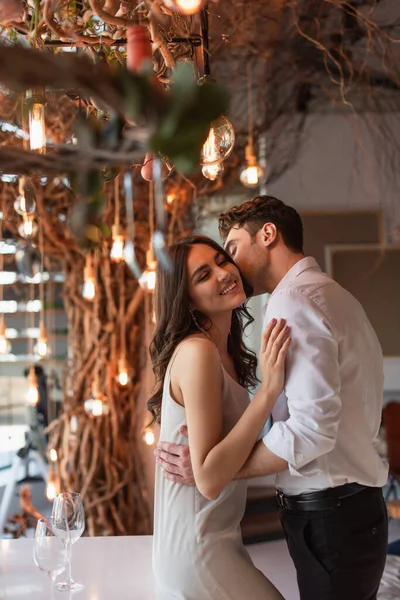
x=198, y=553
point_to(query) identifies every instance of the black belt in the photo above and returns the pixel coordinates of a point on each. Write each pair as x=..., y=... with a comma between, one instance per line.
x=322, y=500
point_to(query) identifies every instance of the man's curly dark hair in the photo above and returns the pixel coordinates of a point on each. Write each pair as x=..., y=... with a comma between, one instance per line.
x=252, y=215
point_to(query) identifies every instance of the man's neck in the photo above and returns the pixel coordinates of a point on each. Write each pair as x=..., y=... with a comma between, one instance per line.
x=280, y=264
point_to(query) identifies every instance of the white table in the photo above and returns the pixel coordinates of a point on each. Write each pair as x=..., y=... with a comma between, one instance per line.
x=118, y=568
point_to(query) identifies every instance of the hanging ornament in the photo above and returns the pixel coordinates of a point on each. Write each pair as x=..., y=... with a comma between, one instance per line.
x=5, y=345
x=25, y=203
x=33, y=389
x=28, y=227
x=186, y=7
x=37, y=127
x=148, y=167
x=28, y=260
x=97, y=404
x=219, y=143
x=212, y=172
x=42, y=348
x=89, y=280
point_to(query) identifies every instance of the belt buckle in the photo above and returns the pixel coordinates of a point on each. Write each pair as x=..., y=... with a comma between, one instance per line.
x=279, y=499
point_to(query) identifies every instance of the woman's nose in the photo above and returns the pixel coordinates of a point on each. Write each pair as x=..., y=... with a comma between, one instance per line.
x=222, y=274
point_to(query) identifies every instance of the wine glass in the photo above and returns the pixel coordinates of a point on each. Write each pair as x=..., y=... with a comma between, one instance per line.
x=49, y=552
x=68, y=524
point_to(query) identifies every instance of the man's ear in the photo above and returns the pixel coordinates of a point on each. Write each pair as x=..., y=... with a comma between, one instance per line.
x=269, y=234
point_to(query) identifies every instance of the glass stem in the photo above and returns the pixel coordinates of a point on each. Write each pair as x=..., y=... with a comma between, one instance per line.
x=69, y=561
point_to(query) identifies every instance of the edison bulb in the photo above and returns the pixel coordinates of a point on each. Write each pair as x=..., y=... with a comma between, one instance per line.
x=186, y=7
x=37, y=128
x=148, y=437
x=96, y=405
x=89, y=283
x=28, y=227
x=51, y=490
x=25, y=203
x=212, y=172
x=5, y=345
x=219, y=143
x=33, y=395
x=251, y=175
x=123, y=375
x=117, y=248
x=148, y=279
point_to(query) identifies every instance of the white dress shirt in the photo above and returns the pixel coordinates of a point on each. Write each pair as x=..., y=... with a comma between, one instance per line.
x=327, y=420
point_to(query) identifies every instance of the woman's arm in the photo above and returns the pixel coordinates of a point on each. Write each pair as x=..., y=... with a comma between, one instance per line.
x=216, y=461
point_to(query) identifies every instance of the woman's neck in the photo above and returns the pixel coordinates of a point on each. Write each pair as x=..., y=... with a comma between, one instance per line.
x=219, y=332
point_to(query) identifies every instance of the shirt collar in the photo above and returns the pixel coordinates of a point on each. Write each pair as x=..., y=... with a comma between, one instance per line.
x=302, y=265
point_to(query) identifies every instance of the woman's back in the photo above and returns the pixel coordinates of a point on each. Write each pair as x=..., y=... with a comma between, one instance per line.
x=198, y=552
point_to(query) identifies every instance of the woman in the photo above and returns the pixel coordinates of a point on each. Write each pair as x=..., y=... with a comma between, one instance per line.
x=202, y=371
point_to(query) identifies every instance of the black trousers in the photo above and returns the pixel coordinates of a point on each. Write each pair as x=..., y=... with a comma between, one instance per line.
x=340, y=553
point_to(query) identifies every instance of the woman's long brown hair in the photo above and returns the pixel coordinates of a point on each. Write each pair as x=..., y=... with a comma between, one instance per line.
x=174, y=322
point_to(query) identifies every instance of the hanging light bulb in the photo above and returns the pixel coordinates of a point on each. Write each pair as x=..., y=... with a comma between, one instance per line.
x=212, y=172
x=117, y=248
x=42, y=348
x=123, y=375
x=219, y=143
x=170, y=198
x=186, y=7
x=33, y=389
x=89, y=281
x=148, y=436
x=148, y=278
x=37, y=127
x=5, y=345
x=28, y=227
x=25, y=203
x=53, y=479
x=97, y=404
x=252, y=173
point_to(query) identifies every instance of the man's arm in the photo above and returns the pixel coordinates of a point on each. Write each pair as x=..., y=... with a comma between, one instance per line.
x=261, y=462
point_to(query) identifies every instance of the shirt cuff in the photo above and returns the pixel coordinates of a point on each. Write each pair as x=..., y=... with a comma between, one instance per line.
x=280, y=441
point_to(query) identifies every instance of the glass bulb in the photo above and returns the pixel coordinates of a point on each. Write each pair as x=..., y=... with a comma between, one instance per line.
x=51, y=491
x=89, y=282
x=186, y=7
x=219, y=143
x=148, y=437
x=89, y=289
x=53, y=455
x=251, y=175
x=170, y=198
x=5, y=345
x=117, y=248
x=41, y=347
x=33, y=395
x=123, y=375
x=28, y=227
x=37, y=128
x=148, y=278
x=97, y=404
x=212, y=172
x=25, y=203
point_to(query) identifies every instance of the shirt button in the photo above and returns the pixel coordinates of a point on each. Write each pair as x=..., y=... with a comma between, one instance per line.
x=374, y=531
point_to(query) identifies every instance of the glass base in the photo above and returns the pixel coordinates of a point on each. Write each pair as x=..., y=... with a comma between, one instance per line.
x=69, y=586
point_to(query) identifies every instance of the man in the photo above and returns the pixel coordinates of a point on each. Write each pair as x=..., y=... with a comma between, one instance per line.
x=323, y=442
